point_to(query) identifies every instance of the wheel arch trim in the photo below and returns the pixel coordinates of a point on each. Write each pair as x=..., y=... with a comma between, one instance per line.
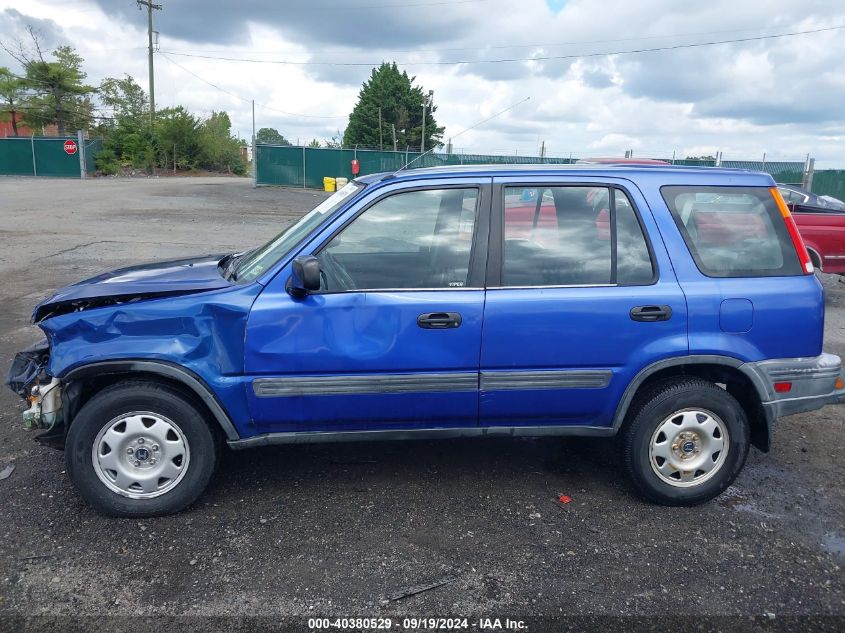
x=676, y=361
x=174, y=372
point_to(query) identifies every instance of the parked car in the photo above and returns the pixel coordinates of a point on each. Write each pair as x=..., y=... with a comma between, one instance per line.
x=654, y=304
x=821, y=221
x=796, y=195
x=620, y=161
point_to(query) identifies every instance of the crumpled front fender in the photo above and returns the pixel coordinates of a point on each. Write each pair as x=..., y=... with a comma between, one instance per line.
x=203, y=333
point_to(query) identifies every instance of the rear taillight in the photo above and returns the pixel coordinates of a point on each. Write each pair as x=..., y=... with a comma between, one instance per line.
x=800, y=249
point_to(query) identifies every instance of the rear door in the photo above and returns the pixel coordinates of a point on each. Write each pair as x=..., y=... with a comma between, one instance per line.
x=392, y=339
x=581, y=296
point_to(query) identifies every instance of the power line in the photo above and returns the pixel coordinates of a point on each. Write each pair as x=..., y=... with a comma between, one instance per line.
x=339, y=51
x=237, y=96
x=358, y=7
x=518, y=59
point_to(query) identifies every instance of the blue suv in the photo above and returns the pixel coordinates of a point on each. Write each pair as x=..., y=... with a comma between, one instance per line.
x=674, y=309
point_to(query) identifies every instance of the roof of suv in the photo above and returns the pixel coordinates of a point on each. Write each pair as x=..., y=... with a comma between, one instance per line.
x=672, y=172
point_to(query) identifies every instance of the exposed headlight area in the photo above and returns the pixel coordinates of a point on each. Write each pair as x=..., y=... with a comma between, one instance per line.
x=28, y=378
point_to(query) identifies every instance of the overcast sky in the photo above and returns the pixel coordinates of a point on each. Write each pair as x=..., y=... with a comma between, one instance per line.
x=783, y=96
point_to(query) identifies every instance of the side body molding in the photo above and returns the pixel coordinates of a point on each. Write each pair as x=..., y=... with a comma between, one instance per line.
x=167, y=370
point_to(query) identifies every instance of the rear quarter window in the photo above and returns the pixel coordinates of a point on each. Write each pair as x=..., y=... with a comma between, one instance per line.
x=733, y=231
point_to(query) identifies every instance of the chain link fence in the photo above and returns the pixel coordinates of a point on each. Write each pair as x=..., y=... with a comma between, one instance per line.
x=294, y=166
x=829, y=182
x=47, y=156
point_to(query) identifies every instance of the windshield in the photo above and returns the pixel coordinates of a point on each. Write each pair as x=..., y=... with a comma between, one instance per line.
x=258, y=261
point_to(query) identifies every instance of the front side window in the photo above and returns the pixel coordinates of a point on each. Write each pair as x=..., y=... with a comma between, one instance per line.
x=415, y=239
x=733, y=231
x=572, y=236
x=260, y=260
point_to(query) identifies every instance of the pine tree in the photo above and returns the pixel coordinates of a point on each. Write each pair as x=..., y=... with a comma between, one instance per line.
x=59, y=94
x=401, y=104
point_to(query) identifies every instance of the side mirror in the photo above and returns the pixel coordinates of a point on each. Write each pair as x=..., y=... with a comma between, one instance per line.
x=305, y=277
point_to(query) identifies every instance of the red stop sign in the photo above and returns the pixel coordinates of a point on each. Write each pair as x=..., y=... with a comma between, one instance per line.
x=70, y=146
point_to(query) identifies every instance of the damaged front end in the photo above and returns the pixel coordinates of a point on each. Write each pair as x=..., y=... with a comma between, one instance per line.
x=29, y=379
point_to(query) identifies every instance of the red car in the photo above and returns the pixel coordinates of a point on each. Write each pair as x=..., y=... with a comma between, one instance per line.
x=823, y=231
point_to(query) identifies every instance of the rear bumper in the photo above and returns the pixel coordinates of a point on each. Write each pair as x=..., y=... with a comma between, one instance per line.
x=813, y=384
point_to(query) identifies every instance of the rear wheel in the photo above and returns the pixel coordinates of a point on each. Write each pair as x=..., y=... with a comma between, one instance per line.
x=140, y=448
x=685, y=442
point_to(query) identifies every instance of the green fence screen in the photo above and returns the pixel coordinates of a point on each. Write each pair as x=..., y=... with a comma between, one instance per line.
x=829, y=182
x=307, y=166
x=295, y=166
x=42, y=156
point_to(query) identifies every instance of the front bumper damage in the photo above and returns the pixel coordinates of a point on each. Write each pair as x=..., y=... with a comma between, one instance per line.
x=29, y=379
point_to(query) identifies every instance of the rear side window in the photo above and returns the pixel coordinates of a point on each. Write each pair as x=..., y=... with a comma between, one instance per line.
x=572, y=236
x=733, y=231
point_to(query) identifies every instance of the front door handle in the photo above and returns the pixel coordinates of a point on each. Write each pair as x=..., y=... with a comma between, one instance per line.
x=439, y=320
x=651, y=313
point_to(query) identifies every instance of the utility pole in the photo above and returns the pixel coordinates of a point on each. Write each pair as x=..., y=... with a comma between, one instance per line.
x=422, y=132
x=393, y=131
x=380, y=138
x=150, y=8
x=80, y=144
x=426, y=99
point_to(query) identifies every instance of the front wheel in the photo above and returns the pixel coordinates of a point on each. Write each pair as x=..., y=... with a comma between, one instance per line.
x=139, y=449
x=685, y=442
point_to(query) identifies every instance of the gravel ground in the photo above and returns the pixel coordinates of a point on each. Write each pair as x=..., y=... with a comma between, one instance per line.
x=345, y=530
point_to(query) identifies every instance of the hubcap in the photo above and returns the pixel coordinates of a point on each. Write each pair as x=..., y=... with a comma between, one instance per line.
x=688, y=447
x=140, y=455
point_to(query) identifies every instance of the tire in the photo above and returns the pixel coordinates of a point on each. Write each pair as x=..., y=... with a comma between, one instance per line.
x=176, y=448
x=685, y=441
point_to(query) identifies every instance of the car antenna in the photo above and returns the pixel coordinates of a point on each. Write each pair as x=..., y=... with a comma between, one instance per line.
x=471, y=127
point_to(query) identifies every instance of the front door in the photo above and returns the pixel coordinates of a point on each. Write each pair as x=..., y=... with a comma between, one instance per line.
x=392, y=338
x=579, y=300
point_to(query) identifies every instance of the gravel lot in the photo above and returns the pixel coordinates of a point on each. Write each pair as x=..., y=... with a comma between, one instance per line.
x=341, y=530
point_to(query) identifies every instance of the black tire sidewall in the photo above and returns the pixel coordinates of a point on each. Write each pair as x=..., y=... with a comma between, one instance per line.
x=700, y=395
x=123, y=399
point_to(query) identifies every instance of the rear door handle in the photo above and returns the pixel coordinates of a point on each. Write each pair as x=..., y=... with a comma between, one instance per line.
x=651, y=313
x=439, y=320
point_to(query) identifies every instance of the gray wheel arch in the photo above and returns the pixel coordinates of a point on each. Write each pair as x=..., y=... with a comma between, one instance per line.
x=170, y=371
x=679, y=361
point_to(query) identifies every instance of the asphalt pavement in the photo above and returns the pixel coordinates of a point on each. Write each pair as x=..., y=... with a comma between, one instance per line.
x=399, y=529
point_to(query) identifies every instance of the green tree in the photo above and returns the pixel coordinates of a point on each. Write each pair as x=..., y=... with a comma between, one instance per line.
x=314, y=143
x=218, y=149
x=176, y=134
x=58, y=92
x=12, y=95
x=124, y=98
x=401, y=104
x=128, y=139
x=270, y=136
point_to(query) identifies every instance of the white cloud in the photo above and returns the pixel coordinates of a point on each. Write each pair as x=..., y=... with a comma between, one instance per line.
x=779, y=96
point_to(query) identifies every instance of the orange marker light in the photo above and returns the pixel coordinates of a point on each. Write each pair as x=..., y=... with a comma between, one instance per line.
x=839, y=384
x=797, y=241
